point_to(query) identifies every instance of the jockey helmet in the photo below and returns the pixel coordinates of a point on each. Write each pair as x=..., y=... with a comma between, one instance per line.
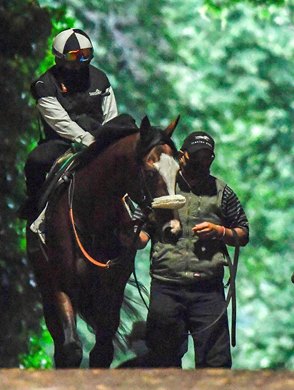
x=72, y=45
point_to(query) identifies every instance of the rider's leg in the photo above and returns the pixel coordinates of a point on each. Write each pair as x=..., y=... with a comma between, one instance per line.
x=37, y=166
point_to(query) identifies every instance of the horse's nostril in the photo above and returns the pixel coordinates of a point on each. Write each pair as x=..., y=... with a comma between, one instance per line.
x=171, y=231
x=167, y=230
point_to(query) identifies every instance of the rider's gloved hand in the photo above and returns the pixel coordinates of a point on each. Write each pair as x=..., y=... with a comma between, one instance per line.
x=77, y=147
x=82, y=142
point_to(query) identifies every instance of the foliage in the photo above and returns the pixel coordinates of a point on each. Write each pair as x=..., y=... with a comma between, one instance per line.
x=22, y=49
x=217, y=6
x=37, y=356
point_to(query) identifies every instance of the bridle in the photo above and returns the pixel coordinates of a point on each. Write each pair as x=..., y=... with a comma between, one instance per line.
x=145, y=197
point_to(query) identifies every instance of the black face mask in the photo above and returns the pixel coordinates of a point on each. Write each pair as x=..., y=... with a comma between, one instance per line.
x=75, y=72
x=197, y=170
x=74, y=79
x=198, y=166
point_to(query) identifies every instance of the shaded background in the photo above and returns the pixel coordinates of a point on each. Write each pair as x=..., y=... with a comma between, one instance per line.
x=227, y=68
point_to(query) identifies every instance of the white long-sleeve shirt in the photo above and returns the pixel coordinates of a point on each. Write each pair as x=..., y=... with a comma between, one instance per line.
x=71, y=111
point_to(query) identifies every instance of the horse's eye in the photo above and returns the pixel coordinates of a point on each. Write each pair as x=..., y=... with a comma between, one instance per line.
x=150, y=174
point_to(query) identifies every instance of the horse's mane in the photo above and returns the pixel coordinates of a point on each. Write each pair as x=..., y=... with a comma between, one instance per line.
x=121, y=127
x=112, y=131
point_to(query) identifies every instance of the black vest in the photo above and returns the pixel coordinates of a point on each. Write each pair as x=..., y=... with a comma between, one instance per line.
x=80, y=94
x=189, y=257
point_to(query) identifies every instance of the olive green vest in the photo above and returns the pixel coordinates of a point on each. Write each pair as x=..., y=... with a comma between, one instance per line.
x=192, y=259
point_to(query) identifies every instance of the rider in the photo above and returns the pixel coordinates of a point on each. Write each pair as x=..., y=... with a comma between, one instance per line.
x=74, y=99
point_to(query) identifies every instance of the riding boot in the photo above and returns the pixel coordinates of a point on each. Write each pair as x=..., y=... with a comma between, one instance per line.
x=29, y=208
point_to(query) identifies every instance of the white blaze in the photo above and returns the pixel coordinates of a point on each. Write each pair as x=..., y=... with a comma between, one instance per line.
x=168, y=168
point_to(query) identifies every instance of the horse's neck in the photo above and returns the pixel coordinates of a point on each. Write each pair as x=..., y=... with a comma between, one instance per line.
x=125, y=164
x=117, y=166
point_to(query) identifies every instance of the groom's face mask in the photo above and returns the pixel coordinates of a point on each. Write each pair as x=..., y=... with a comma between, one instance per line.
x=198, y=163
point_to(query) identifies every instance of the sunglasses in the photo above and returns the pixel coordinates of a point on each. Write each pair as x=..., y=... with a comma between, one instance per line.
x=80, y=55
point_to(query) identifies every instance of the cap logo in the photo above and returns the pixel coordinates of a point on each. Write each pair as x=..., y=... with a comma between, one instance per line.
x=201, y=139
x=197, y=141
x=97, y=92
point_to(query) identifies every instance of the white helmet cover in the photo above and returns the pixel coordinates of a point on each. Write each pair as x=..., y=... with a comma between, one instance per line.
x=70, y=40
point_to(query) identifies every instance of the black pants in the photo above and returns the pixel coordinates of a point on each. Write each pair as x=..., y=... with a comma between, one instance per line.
x=176, y=310
x=39, y=162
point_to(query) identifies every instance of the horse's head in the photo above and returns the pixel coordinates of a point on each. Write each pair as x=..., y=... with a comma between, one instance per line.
x=156, y=154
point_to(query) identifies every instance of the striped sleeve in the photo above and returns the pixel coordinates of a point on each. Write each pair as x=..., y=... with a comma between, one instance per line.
x=233, y=211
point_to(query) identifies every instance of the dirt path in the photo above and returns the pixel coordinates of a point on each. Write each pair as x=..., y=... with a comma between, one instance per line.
x=169, y=379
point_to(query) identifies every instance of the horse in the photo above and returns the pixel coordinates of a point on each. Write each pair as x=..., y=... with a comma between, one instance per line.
x=84, y=221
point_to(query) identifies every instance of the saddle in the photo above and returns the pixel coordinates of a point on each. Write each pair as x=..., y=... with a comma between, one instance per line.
x=59, y=174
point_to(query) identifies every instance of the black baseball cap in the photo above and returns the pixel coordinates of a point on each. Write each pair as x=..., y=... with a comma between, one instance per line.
x=198, y=140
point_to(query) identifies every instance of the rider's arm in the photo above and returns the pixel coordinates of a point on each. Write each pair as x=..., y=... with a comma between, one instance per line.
x=109, y=106
x=57, y=118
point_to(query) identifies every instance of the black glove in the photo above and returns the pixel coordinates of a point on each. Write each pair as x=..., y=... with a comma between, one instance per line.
x=77, y=147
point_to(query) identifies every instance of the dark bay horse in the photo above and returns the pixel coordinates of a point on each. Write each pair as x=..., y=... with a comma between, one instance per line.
x=140, y=163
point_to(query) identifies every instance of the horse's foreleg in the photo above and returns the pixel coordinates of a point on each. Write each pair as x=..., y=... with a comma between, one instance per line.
x=68, y=348
x=101, y=355
x=58, y=311
x=107, y=324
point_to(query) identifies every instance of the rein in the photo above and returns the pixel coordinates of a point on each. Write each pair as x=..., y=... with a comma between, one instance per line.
x=80, y=245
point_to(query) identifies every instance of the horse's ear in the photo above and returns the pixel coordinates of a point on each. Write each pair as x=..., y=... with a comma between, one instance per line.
x=145, y=123
x=171, y=127
x=144, y=127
